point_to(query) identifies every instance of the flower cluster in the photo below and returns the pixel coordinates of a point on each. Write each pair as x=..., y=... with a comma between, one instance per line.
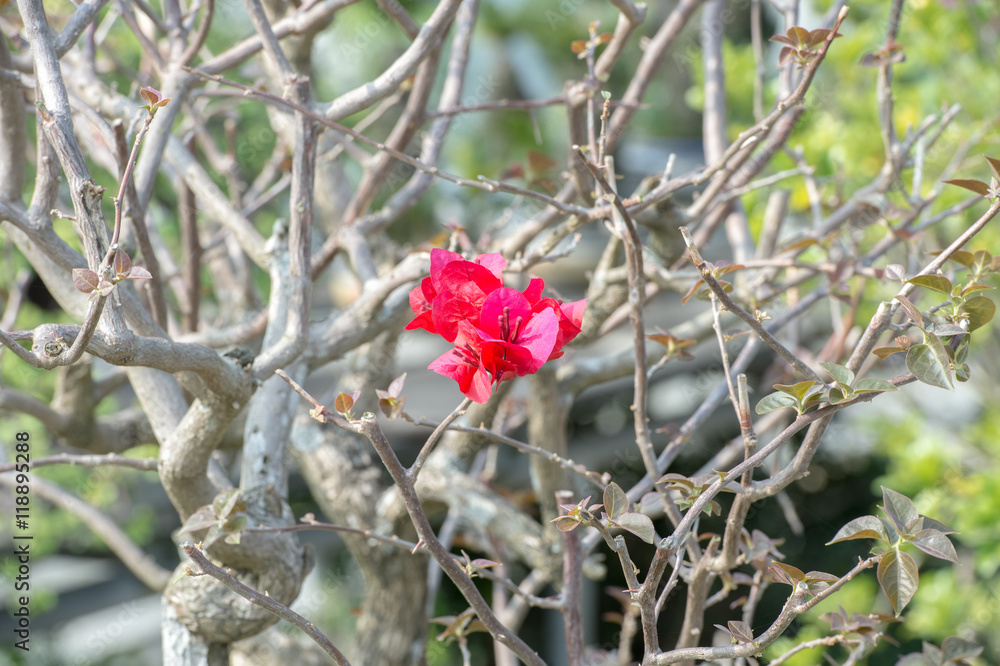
x=499, y=333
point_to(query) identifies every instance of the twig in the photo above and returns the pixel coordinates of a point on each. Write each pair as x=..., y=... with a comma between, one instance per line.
x=729, y=304
x=262, y=600
x=636, y=293
x=883, y=316
x=500, y=104
x=139, y=563
x=725, y=165
x=112, y=459
x=368, y=427
x=572, y=598
x=434, y=437
x=794, y=606
x=483, y=183
x=577, y=468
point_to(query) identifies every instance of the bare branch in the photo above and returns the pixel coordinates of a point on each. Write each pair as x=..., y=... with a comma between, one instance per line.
x=264, y=601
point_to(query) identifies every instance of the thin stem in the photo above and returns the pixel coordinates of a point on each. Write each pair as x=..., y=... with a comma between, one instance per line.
x=636, y=293
x=729, y=304
x=598, y=480
x=262, y=600
x=572, y=588
x=428, y=446
x=368, y=427
x=111, y=459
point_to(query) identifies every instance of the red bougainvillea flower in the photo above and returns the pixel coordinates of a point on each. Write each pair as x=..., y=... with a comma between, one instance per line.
x=499, y=333
x=455, y=291
x=570, y=314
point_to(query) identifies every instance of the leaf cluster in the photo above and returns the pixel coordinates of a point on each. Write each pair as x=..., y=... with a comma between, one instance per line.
x=901, y=525
x=617, y=513
x=801, y=45
x=89, y=282
x=941, y=357
x=225, y=518
x=805, y=395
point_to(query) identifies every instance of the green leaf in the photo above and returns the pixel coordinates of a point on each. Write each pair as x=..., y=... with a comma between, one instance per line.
x=937, y=283
x=899, y=507
x=977, y=186
x=798, y=391
x=963, y=257
x=946, y=330
x=935, y=544
x=864, y=527
x=930, y=363
x=676, y=481
x=898, y=576
x=839, y=373
x=911, y=310
x=638, y=524
x=980, y=310
x=974, y=287
x=885, y=352
x=229, y=502
x=775, y=401
x=615, y=500
x=786, y=573
x=874, y=385
x=955, y=648
x=982, y=262
x=840, y=393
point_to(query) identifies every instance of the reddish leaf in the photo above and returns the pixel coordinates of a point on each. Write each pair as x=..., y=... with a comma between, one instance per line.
x=138, y=273
x=345, y=401
x=994, y=166
x=85, y=280
x=396, y=385
x=539, y=163
x=566, y=523
x=615, y=500
x=122, y=263
x=977, y=186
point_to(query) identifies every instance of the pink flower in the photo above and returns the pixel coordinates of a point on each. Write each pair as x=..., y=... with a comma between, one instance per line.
x=570, y=314
x=455, y=291
x=499, y=333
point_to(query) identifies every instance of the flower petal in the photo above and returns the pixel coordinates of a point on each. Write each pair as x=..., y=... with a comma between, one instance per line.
x=500, y=303
x=494, y=262
x=472, y=378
